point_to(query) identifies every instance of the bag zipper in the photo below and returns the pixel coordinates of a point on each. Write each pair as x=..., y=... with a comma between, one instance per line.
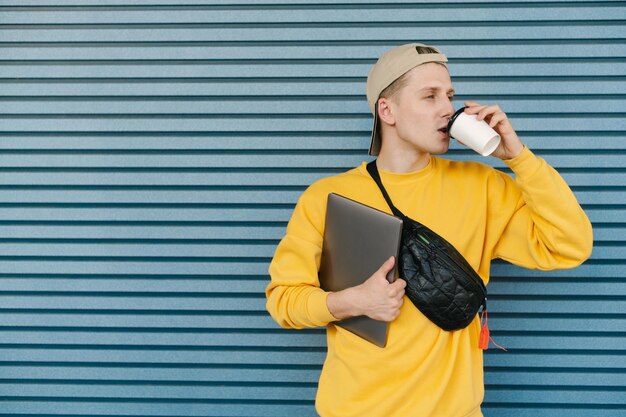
x=472, y=274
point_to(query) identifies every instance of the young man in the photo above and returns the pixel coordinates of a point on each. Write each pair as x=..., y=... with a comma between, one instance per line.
x=533, y=221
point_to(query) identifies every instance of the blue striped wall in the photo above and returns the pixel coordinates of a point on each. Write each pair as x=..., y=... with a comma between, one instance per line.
x=151, y=152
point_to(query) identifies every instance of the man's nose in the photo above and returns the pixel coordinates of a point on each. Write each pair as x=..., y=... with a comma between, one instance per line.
x=448, y=108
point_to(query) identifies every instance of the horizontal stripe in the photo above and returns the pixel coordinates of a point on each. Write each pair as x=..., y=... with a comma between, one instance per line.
x=218, y=197
x=144, y=357
x=191, y=356
x=212, y=302
x=270, y=159
x=267, y=142
x=218, y=179
x=205, y=394
x=461, y=70
x=207, y=285
x=146, y=214
x=330, y=15
x=500, y=322
x=141, y=251
x=233, y=338
x=107, y=408
x=430, y=34
x=47, y=108
x=85, y=375
x=191, y=232
x=313, y=52
x=607, y=269
x=550, y=410
x=221, y=3
x=136, y=379
x=273, y=88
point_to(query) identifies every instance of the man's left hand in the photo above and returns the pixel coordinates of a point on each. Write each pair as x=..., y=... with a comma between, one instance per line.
x=510, y=144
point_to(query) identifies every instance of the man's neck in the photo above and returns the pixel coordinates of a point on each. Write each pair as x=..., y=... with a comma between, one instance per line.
x=401, y=161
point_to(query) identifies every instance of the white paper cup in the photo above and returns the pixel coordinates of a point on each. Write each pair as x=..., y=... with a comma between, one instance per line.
x=475, y=134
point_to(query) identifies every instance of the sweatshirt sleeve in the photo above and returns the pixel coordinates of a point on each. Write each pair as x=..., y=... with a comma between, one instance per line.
x=294, y=296
x=540, y=223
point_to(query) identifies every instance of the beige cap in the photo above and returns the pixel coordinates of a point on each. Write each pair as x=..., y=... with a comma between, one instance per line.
x=392, y=65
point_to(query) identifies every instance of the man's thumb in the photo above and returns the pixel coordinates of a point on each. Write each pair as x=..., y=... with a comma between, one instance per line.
x=388, y=265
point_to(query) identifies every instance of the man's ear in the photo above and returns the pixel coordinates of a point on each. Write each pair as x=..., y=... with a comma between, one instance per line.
x=385, y=112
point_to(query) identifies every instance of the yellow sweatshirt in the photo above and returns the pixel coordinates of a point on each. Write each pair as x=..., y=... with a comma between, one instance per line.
x=533, y=221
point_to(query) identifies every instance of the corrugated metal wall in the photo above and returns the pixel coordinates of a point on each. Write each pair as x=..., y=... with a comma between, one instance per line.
x=151, y=152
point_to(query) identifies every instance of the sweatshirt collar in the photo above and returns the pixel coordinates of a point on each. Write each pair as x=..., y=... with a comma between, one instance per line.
x=405, y=177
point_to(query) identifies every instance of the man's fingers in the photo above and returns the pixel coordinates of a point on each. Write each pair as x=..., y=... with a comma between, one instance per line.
x=396, y=290
x=488, y=111
x=399, y=283
x=471, y=107
x=497, y=118
x=483, y=112
x=388, y=265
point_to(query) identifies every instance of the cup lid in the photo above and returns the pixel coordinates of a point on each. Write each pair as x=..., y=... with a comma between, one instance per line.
x=454, y=116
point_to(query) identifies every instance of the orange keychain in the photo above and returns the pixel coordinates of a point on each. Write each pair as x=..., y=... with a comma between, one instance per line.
x=485, y=337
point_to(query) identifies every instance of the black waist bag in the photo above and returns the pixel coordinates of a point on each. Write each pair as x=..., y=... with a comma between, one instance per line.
x=440, y=282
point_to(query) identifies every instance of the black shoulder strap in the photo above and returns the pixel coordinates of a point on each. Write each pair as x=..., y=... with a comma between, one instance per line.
x=373, y=170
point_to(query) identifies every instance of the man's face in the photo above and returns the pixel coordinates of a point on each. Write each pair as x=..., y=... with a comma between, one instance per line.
x=422, y=109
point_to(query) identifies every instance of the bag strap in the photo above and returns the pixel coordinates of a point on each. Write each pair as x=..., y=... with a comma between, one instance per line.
x=373, y=170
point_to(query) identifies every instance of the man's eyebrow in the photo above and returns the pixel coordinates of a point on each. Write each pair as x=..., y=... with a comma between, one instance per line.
x=436, y=89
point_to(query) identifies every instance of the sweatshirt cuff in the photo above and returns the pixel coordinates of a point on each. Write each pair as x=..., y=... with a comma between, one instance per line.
x=318, y=309
x=524, y=164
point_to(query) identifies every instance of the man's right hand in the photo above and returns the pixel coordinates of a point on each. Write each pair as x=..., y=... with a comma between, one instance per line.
x=375, y=298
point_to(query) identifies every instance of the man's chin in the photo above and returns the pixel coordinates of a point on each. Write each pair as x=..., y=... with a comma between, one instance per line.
x=441, y=149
